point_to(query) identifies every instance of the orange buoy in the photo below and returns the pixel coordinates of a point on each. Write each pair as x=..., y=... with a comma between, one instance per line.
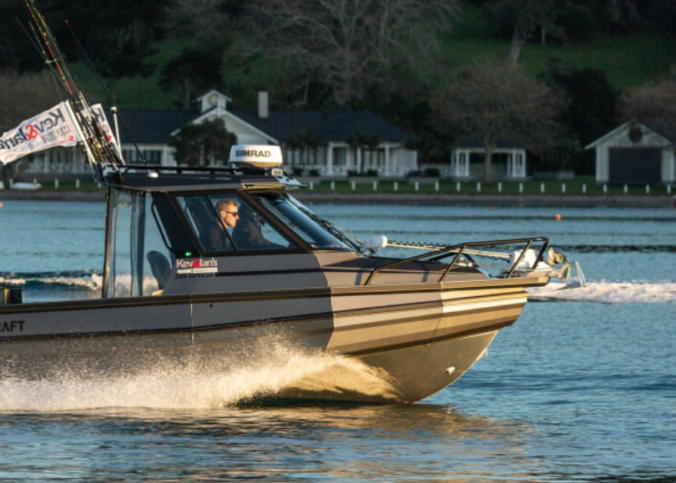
x=558, y=217
x=0, y=204
x=492, y=207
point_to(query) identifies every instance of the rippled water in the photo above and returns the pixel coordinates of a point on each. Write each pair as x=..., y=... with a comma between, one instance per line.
x=581, y=388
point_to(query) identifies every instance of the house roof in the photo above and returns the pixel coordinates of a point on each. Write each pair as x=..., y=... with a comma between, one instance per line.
x=150, y=126
x=663, y=127
x=156, y=126
x=476, y=141
x=328, y=126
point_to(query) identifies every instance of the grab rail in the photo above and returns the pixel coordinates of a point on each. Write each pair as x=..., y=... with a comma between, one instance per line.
x=460, y=249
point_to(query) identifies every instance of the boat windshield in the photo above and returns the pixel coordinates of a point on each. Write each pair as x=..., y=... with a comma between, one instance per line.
x=313, y=230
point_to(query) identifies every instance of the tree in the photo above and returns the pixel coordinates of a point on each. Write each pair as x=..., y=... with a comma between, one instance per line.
x=204, y=144
x=122, y=51
x=656, y=102
x=23, y=96
x=499, y=102
x=191, y=73
x=211, y=22
x=361, y=141
x=524, y=19
x=592, y=106
x=307, y=143
x=346, y=45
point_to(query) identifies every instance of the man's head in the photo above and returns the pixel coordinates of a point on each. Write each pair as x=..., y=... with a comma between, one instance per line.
x=228, y=211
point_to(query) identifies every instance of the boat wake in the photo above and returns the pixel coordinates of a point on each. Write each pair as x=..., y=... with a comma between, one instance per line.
x=609, y=292
x=84, y=279
x=279, y=372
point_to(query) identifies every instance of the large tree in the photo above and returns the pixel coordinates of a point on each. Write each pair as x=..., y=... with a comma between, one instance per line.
x=523, y=20
x=655, y=101
x=592, y=107
x=204, y=144
x=496, y=102
x=191, y=73
x=122, y=51
x=23, y=96
x=343, y=46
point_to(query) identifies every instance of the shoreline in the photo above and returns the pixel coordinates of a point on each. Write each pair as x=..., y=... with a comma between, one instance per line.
x=420, y=199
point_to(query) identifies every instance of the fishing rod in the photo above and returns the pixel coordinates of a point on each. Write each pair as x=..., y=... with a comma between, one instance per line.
x=98, y=146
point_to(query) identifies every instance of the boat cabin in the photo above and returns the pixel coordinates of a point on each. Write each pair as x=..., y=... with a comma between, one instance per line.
x=179, y=230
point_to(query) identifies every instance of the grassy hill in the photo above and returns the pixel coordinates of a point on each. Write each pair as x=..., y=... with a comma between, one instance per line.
x=628, y=61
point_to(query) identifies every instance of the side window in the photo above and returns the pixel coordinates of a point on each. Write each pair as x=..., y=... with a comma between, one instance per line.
x=207, y=224
x=250, y=231
x=226, y=223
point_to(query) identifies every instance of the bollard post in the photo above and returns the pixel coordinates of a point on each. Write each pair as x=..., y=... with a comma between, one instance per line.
x=563, y=187
x=457, y=186
x=626, y=189
x=417, y=186
x=56, y=182
x=605, y=188
x=396, y=186
x=77, y=183
x=2, y=185
x=436, y=186
x=520, y=187
x=500, y=187
x=354, y=186
x=542, y=187
x=668, y=189
x=312, y=185
x=333, y=186
x=584, y=188
x=647, y=189
x=375, y=186
x=478, y=187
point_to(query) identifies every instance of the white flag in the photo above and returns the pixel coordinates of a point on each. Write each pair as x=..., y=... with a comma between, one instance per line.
x=53, y=128
x=100, y=116
x=50, y=129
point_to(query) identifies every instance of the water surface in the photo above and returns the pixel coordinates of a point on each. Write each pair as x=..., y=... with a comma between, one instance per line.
x=581, y=388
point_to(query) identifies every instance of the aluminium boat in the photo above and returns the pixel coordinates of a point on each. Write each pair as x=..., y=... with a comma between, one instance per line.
x=210, y=268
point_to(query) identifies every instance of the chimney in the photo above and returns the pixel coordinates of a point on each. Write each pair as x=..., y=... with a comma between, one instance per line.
x=263, y=103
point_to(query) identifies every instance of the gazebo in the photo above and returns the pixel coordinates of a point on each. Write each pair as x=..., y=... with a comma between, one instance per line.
x=462, y=149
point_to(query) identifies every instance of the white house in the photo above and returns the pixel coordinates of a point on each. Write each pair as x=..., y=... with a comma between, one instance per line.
x=637, y=152
x=331, y=143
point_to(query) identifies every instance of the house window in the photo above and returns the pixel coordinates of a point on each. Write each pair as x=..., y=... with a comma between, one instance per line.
x=151, y=156
x=373, y=158
x=340, y=157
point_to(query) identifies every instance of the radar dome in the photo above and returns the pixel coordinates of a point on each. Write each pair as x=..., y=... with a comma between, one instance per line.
x=262, y=156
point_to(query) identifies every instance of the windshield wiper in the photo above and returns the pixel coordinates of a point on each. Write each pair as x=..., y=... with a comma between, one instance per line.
x=333, y=229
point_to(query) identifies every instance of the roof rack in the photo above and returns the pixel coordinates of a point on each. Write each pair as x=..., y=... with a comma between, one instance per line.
x=196, y=169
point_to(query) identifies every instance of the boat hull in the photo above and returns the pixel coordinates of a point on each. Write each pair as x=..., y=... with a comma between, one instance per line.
x=388, y=344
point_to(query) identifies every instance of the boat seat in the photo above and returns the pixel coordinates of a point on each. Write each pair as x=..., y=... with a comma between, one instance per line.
x=160, y=267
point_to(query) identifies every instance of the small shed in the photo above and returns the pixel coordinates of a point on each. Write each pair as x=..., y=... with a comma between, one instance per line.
x=637, y=153
x=509, y=159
